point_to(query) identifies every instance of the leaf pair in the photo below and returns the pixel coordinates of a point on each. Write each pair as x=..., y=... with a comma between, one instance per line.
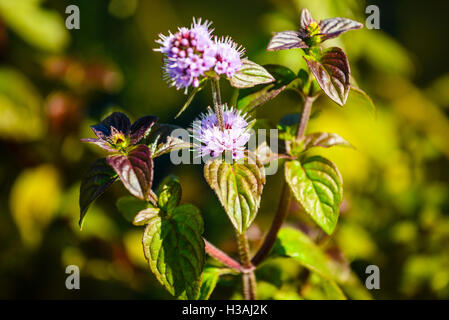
x=311, y=32
x=115, y=133
x=135, y=170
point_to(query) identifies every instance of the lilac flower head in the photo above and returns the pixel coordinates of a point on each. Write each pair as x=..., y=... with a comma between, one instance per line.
x=185, y=58
x=209, y=140
x=228, y=56
x=191, y=52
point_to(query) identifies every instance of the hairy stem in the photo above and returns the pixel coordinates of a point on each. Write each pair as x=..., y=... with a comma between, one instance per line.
x=284, y=202
x=248, y=276
x=305, y=115
x=222, y=257
x=218, y=107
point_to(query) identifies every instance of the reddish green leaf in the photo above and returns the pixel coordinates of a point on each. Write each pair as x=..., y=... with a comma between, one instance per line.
x=135, y=171
x=332, y=73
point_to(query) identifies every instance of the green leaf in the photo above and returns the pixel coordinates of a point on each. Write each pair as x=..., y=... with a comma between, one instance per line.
x=322, y=289
x=175, y=251
x=332, y=73
x=317, y=186
x=143, y=217
x=169, y=194
x=250, y=75
x=135, y=171
x=238, y=187
x=325, y=140
x=251, y=98
x=191, y=96
x=209, y=281
x=97, y=180
x=295, y=244
x=251, y=101
x=282, y=75
x=129, y=207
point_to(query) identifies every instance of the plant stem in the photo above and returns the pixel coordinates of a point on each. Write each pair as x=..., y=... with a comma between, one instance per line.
x=279, y=217
x=222, y=257
x=216, y=96
x=284, y=202
x=305, y=115
x=248, y=276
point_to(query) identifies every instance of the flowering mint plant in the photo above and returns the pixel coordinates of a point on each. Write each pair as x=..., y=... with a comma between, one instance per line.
x=172, y=240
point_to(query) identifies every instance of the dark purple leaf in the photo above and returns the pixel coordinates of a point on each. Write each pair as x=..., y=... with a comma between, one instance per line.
x=306, y=18
x=135, y=171
x=116, y=120
x=332, y=73
x=286, y=40
x=141, y=127
x=332, y=28
x=97, y=180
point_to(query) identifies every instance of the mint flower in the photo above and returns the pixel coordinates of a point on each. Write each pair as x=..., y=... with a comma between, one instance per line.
x=185, y=54
x=209, y=140
x=191, y=53
x=228, y=56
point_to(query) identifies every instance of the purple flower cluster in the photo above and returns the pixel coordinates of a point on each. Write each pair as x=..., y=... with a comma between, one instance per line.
x=209, y=140
x=227, y=57
x=191, y=52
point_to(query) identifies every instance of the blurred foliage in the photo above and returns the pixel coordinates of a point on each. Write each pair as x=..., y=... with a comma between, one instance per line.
x=55, y=83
